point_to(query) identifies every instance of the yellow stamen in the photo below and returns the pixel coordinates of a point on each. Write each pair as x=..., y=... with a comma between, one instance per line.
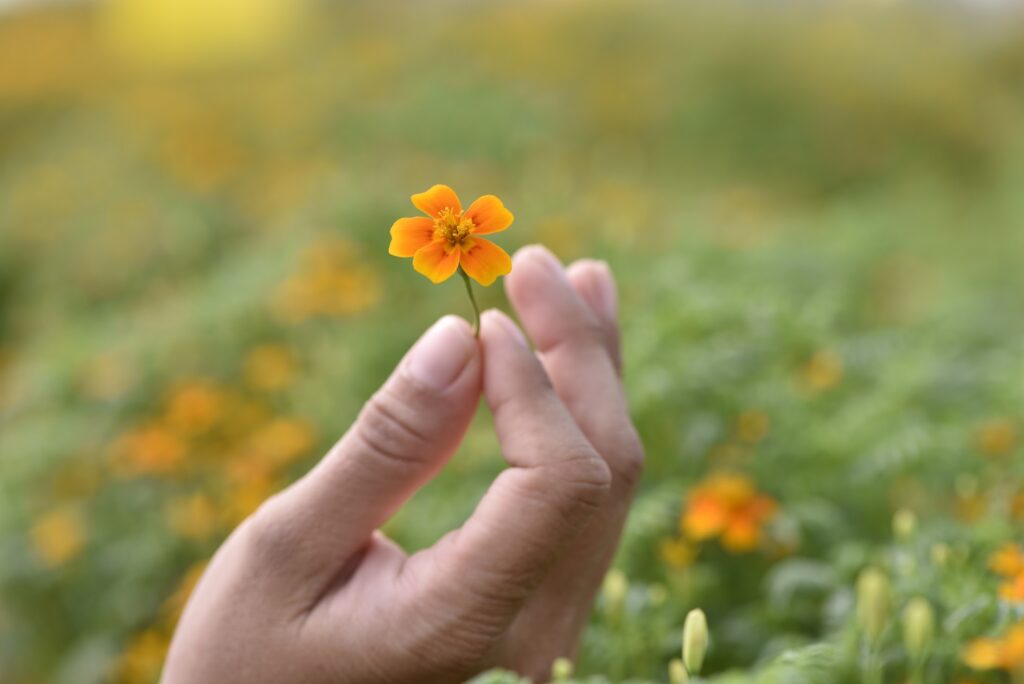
x=451, y=226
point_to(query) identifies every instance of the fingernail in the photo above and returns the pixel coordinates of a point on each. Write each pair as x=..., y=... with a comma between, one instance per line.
x=543, y=255
x=604, y=289
x=510, y=328
x=441, y=354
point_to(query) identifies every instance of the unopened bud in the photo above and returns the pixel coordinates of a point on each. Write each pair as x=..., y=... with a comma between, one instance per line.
x=940, y=554
x=561, y=670
x=615, y=588
x=904, y=524
x=918, y=628
x=695, y=640
x=677, y=672
x=872, y=602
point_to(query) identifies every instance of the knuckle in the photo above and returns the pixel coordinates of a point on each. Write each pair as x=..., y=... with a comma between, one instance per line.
x=386, y=430
x=629, y=458
x=586, y=476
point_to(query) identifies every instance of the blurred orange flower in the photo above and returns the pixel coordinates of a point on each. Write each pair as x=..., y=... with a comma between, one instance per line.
x=194, y=406
x=1006, y=653
x=58, y=536
x=996, y=437
x=448, y=237
x=677, y=553
x=1008, y=561
x=823, y=372
x=270, y=367
x=148, y=450
x=728, y=506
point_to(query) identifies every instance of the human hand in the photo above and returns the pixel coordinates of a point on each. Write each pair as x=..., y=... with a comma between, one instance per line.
x=307, y=589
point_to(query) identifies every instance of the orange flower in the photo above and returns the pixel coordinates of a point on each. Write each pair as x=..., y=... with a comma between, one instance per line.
x=448, y=237
x=1006, y=653
x=1008, y=561
x=727, y=506
x=1013, y=589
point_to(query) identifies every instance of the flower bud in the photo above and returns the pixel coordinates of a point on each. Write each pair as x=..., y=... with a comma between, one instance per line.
x=918, y=628
x=615, y=588
x=695, y=640
x=904, y=524
x=561, y=670
x=677, y=672
x=872, y=602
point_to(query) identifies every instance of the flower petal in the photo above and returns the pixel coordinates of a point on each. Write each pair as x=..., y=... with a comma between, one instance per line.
x=408, y=235
x=489, y=215
x=437, y=199
x=437, y=261
x=484, y=261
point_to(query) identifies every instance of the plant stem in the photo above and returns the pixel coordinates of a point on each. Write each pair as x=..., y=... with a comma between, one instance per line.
x=472, y=300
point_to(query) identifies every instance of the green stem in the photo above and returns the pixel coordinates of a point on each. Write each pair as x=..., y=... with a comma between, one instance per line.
x=472, y=299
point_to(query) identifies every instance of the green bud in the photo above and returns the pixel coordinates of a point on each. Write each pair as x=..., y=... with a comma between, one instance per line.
x=904, y=524
x=695, y=640
x=677, y=672
x=872, y=602
x=615, y=588
x=561, y=670
x=918, y=628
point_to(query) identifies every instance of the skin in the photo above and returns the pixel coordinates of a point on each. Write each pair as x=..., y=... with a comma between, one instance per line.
x=307, y=589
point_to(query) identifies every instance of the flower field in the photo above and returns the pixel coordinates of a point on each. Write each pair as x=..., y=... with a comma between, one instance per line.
x=815, y=215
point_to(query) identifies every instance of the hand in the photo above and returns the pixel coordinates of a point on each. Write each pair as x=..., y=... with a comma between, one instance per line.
x=307, y=589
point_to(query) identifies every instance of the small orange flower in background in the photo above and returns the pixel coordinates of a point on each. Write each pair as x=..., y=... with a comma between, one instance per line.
x=823, y=372
x=996, y=437
x=1008, y=562
x=729, y=507
x=1004, y=653
x=58, y=536
x=448, y=238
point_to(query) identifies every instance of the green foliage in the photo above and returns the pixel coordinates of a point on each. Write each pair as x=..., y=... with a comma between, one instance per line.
x=814, y=214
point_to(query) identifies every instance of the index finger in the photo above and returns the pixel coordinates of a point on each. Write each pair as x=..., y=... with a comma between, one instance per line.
x=534, y=508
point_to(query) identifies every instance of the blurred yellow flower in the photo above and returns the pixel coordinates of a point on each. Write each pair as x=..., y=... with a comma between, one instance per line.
x=823, y=372
x=752, y=426
x=58, y=536
x=1012, y=590
x=193, y=407
x=188, y=34
x=1003, y=653
x=193, y=517
x=727, y=506
x=270, y=367
x=997, y=437
x=983, y=654
x=331, y=282
x=142, y=659
x=249, y=487
x=677, y=553
x=1008, y=560
x=281, y=441
x=151, y=449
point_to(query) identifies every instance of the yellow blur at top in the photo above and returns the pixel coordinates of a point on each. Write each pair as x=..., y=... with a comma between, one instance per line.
x=198, y=34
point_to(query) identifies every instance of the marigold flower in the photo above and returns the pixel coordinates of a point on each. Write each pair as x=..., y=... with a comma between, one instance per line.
x=1005, y=653
x=448, y=238
x=58, y=536
x=1008, y=561
x=727, y=506
x=1013, y=589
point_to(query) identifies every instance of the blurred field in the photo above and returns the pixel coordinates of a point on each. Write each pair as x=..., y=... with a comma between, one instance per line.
x=815, y=213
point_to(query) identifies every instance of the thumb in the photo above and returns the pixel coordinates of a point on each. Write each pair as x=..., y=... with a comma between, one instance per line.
x=402, y=437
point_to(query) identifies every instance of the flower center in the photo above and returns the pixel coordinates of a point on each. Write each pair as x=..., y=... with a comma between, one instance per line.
x=451, y=226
